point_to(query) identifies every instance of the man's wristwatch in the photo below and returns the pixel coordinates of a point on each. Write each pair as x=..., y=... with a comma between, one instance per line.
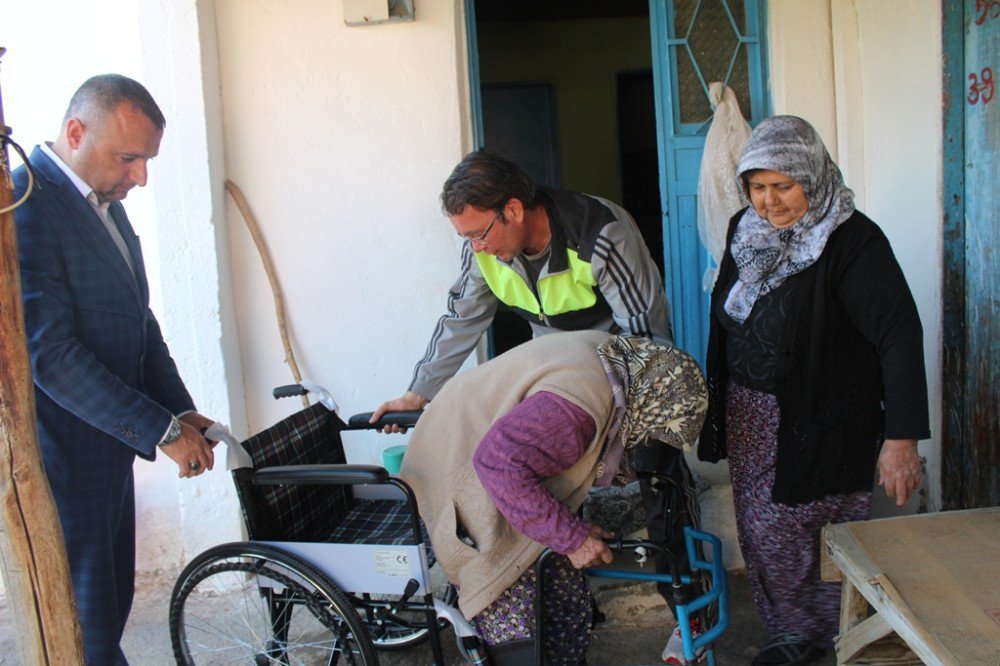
x=173, y=433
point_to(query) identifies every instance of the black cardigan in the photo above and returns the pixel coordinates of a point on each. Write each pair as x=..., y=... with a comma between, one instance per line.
x=853, y=345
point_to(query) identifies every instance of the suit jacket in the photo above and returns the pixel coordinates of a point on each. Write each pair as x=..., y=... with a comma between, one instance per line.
x=105, y=384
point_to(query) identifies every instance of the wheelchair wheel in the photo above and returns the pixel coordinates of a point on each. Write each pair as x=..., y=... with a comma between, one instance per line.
x=254, y=604
x=405, y=628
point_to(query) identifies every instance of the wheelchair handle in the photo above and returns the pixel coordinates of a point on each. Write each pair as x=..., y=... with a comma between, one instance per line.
x=401, y=419
x=304, y=388
x=288, y=391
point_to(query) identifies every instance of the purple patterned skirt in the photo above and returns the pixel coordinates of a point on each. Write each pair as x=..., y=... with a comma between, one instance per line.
x=567, y=612
x=780, y=543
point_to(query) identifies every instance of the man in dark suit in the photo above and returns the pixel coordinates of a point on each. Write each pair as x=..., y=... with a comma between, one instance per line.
x=106, y=387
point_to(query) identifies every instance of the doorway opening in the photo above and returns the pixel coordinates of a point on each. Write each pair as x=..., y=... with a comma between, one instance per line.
x=567, y=94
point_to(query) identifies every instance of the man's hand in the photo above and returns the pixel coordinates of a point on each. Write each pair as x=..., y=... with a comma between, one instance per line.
x=191, y=452
x=408, y=402
x=899, y=468
x=198, y=422
x=593, y=550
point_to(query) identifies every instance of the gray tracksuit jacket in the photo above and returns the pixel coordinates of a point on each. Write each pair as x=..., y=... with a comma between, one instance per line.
x=599, y=276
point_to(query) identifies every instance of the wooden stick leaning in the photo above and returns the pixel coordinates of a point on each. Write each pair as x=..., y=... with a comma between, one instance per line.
x=35, y=569
x=272, y=277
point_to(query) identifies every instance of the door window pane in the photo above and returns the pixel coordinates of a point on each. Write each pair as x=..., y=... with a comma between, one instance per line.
x=710, y=51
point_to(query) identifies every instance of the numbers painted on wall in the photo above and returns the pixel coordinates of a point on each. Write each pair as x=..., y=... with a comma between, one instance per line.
x=982, y=86
x=987, y=9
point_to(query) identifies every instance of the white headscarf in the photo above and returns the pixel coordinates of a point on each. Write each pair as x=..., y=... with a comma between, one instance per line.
x=765, y=255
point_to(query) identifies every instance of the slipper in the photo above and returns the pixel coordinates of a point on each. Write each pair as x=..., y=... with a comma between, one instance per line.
x=673, y=653
x=787, y=649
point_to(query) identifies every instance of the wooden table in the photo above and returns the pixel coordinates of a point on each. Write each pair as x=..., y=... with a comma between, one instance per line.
x=932, y=582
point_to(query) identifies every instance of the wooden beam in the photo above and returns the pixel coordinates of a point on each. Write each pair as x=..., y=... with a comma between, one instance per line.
x=35, y=570
x=859, y=637
x=854, y=608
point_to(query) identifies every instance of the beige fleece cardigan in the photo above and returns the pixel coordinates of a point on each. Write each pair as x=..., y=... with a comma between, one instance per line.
x=438, y=460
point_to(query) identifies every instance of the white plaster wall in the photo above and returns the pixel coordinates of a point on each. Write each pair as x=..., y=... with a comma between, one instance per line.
x=53, y=46
x=800, y=60
x=901, y=104
x=867, y=74
x=181, y=518
x=340, y=138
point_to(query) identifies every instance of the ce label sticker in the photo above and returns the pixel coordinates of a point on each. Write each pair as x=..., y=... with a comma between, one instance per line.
x=391, y=562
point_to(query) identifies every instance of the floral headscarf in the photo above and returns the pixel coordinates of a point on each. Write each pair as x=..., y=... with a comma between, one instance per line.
x=765, y=256
x=659, y=393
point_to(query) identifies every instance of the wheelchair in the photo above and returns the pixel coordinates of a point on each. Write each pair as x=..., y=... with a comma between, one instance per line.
x=338, y=565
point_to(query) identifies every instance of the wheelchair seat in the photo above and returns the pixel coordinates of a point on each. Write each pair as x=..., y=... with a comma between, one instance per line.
x=378, y=522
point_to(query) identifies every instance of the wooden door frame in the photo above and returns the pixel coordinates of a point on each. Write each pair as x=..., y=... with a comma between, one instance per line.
x=969, y=458
x=953, y=446
x=475, y=83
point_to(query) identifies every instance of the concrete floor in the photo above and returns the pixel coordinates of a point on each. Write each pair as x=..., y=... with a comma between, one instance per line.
x=637, y=628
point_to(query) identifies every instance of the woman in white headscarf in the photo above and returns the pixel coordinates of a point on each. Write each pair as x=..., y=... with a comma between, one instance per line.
x=815, y=374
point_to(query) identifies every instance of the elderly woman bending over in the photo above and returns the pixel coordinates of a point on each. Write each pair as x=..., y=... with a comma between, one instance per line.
x=815, y=375
x=504, y=456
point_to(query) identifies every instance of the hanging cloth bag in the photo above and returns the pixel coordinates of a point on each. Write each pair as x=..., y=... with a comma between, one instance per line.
x=719, y=193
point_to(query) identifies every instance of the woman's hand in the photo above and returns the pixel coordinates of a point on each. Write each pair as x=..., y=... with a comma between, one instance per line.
x=899, y=468
x=593, y=550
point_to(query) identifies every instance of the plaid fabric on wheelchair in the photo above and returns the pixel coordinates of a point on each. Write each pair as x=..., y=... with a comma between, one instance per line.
x=296, y=513
x=377, y=522
x=314, y=513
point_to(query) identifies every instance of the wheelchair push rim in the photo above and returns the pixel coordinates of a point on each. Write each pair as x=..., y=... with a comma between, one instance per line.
x=250, y=603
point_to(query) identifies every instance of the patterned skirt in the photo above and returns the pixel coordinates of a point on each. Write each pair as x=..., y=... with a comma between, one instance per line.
x=567, y=612
x=780, y=543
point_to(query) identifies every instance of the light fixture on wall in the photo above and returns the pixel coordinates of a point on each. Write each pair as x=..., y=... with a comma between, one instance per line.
x=367, y=12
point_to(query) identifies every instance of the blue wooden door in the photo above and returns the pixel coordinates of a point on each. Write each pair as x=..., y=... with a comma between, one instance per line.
x=696, y=42
x=971, y=475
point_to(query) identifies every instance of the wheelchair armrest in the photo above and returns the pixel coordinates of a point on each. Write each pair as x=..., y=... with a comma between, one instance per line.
x=325, y=475
x=402, y=419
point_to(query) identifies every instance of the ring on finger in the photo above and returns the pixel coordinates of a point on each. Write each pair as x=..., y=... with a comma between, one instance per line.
x=194, y=465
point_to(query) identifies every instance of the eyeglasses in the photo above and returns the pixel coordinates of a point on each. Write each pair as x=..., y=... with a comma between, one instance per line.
x=482, y=237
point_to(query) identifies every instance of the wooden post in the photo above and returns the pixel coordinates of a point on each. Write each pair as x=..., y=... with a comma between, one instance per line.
x=35, y=570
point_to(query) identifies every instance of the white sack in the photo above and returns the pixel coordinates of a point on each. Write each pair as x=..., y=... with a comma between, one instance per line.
x=719, y=194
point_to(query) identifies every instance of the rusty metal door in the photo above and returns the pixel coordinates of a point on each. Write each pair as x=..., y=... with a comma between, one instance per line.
x=971, y=443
